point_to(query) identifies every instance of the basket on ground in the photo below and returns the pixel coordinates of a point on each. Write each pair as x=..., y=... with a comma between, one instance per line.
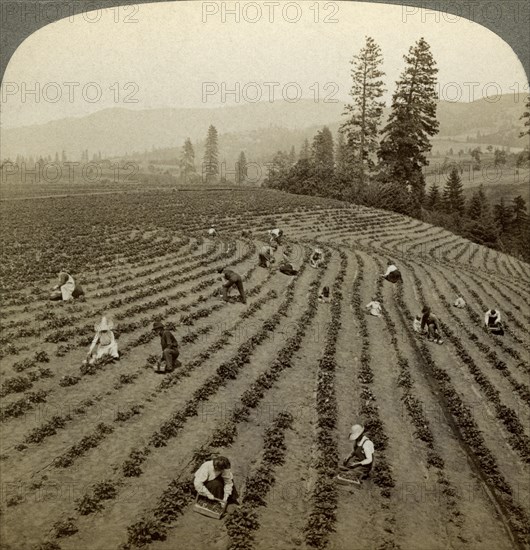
x=206, y=507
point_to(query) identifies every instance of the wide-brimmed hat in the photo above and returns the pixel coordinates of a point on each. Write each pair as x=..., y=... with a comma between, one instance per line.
x=104, y=324
x=355, y=431
x=157, y=325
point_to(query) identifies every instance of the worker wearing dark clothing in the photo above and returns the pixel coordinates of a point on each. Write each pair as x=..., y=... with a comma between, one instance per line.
x=232, y=279
x=433, y=326
x=170, y=348
x=266, y=256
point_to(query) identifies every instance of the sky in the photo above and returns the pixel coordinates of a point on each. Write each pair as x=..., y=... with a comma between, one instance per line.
x=192, y=54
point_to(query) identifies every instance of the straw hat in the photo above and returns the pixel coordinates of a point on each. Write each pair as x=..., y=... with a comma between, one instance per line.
x=356, y=431
x=157, y=325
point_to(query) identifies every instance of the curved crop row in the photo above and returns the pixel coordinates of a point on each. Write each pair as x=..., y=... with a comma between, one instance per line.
x=324, y=499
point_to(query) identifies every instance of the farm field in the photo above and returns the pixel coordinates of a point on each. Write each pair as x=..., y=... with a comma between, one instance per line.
x=103, y=458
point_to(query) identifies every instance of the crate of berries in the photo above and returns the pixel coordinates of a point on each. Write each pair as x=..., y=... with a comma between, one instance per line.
x=206, y=507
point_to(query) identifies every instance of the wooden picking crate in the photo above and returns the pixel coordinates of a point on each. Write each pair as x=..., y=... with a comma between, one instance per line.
x=209, y=508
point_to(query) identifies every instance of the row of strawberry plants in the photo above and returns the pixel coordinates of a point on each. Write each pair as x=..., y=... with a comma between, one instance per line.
x=415, y=408
x=374, y=425
x=23, y=382
x=470, y=435
x=324, y=498
x=517, y=438
x=241, y=524
x=183, y=265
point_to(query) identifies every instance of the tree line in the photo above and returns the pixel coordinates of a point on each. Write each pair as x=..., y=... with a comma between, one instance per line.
x=384, y=167
x=210, y=170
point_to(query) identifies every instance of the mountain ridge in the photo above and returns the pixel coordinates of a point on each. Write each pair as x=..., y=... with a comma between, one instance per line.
x=120, y=130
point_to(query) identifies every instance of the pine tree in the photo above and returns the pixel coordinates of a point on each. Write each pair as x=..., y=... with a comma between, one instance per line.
x=211, y=156
x=453, y=194
x=520, y=219
x=526, y=117
x=502, y=215
x=188, y=171
x=519, y=230
x=411, y=124
x=292, y=156
x=322, y=151
x=434, y=198
x=305, y=152
x=341, y=154
x=365, y=112
x=277, y=172
x=322, y=162
x=478, y=204
x=241, y=168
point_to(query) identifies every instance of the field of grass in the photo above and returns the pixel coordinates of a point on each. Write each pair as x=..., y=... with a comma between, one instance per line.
x=103, y=458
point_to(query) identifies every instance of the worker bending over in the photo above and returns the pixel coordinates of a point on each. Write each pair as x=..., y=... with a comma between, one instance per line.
x=266, y=256
x=392, y=274
x=430, y=321
x=232, y=279
x=492, y=319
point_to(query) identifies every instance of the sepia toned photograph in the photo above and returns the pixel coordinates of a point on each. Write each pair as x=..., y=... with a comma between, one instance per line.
x=265, y=275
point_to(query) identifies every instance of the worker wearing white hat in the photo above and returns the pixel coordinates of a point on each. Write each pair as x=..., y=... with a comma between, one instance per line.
x=104, y=344
x=362, y=451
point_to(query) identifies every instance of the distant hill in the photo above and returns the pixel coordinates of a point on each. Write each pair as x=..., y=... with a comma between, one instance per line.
x=259, y=128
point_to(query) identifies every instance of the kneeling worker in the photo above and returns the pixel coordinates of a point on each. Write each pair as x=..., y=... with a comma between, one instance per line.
x=67, y=289
x=215, y=481
x=362, y=451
